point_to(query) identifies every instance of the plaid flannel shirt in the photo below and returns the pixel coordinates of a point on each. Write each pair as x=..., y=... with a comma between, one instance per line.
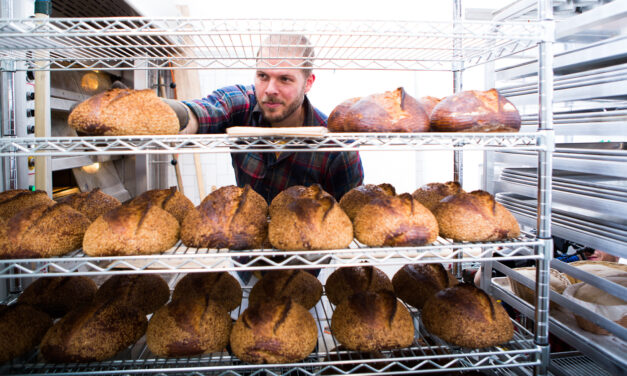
x=269, y=173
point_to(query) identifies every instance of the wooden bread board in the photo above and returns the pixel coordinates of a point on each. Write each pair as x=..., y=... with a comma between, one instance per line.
x=283, y=131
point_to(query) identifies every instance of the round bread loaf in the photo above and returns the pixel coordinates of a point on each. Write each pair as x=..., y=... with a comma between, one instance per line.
x=430, y=195
x=372, y=321
x=21, y=329
x=59, y=295
x=302, y=287
x=429, y=103
x=131, y=229
x=391, y=111
x=118, y=112
x=475, y=217
x=277, y=331
x=144, y=292
x=170, y=200
x=230, y=217
x=416, y=283
x=557, y=281
x=475, y=111
x=15, y=200
x=356, y=198
x=395, y=221
x=465, y=315
x=93, y=333
x=44, y=230
x=92, y=204
x=347, y=281
x=601, y=269
x=190, y=325
x=603, y=300
x=220, y=287
x=306, y=219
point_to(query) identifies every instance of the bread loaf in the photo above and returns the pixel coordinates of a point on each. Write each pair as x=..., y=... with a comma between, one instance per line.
x=356, y=198
x=302, y=287
x=429, y=103
x=220, y=287
x=347, y=281
x=277, y=331
x=603, y=303
x=93, y=333
x=170, y=200
x=557, y=281
x=415, y=283
x=464, y=315
x=308, y=218
x=187, y=326
x=395, y=221
x=230, y=217
x=58, y=295
x=430, y=195
x=372, y=321
x=475, y=111
x=392, y=111
x=144, y=292
x=118, y=112
x=44, y=230
x=92, y=204
x=21, y=329
x=131, y=229
x=601, y=269
x=475, y=217
x=12, y=201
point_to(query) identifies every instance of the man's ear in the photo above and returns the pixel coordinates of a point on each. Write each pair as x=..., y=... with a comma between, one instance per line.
x=309, y=82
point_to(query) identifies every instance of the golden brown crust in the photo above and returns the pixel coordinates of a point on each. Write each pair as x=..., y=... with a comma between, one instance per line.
x=13, y=201
x=117, y=112
x=277, y=331
x=302, y=287
x=92, y=204
x=391, y=111
x=395, y=221
x=357, y=197
x=93, y=333
x=21, y=329
x=475, y=217
x=221, y=287
x=466, y=316
x=369, y=321
x=131, y=229
x=475, y=111
x=230, y=217
x=191, y=325
x=347, y=281
x=429, y=103
x=144, y=292
x=58, y=295
x=430, y=195
x=416, y=283
x=170, y=200
x=306, y=219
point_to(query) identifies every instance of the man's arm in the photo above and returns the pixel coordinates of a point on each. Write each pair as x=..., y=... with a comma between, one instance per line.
x=192, y=123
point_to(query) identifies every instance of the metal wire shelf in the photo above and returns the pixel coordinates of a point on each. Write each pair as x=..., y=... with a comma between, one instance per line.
x=185, y=43
x=220, y=143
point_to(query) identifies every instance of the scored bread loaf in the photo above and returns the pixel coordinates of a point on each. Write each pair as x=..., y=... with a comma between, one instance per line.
x=347, y=281
x=430, y=195
x=356, y=198
x=58, y=295
x=118, y=112
x=429, y=103
x=14, y=200
x=92, y=204
x=220, y=287
x=230, y=217
x=170, y=200
x=415, y=283
x=21, y=329
x=300, y=286
x=144, y=292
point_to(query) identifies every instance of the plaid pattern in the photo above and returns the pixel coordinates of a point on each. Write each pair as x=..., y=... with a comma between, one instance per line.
x=269, y=173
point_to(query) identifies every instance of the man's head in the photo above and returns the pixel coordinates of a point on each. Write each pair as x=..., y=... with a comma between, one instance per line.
x=284, y=75
x=598, y=255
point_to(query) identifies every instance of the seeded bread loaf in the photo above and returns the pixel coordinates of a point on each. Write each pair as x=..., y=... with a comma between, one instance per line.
x=21, y=329
x=144, y=292
x=221, y=287
x=300, y=286
x=347, y=281
x=430, y=195
x=15, y=200
x=356, y=198
x=92, y=204
x=416, y=283
x=170, y=200
x=58, y=295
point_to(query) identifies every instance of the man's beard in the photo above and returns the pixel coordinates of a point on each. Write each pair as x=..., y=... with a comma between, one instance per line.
x=279, y=117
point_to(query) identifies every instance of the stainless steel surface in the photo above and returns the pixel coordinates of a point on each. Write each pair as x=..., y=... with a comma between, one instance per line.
x=577, y=365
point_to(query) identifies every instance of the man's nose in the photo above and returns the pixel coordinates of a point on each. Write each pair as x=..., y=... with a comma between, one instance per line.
x=272, y=87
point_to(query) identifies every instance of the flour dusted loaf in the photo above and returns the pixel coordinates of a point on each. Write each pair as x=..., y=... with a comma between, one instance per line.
x=302, y=287
x=308, y=218
x=15, y=200
x=601, y=269
x=356, y=198
x=170, y=200
x=230, y=217
x=131, y=229
x=416, y=283
x=372, y=321
x=395, y=221
x=277, y=331
x=603, y=303
x=118, y=112
x=475, y=111
x=220, y=287
x=475, y=217
x=189, y=325
x=391, y=111
x=144, y=292
x=558, y=282
x=58, y=295
x=350, y=280
x=465, y=315
x=92, y=204
x=430, y=195
x=21, y=329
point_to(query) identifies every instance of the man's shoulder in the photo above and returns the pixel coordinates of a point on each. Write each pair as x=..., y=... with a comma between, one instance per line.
x=319, y=116
x=247, y=90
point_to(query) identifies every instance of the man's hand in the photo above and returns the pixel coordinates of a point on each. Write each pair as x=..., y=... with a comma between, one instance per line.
x=188, y=124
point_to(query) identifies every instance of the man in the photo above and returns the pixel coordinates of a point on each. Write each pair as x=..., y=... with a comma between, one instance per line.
x=277, y=99
x=599, y=255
